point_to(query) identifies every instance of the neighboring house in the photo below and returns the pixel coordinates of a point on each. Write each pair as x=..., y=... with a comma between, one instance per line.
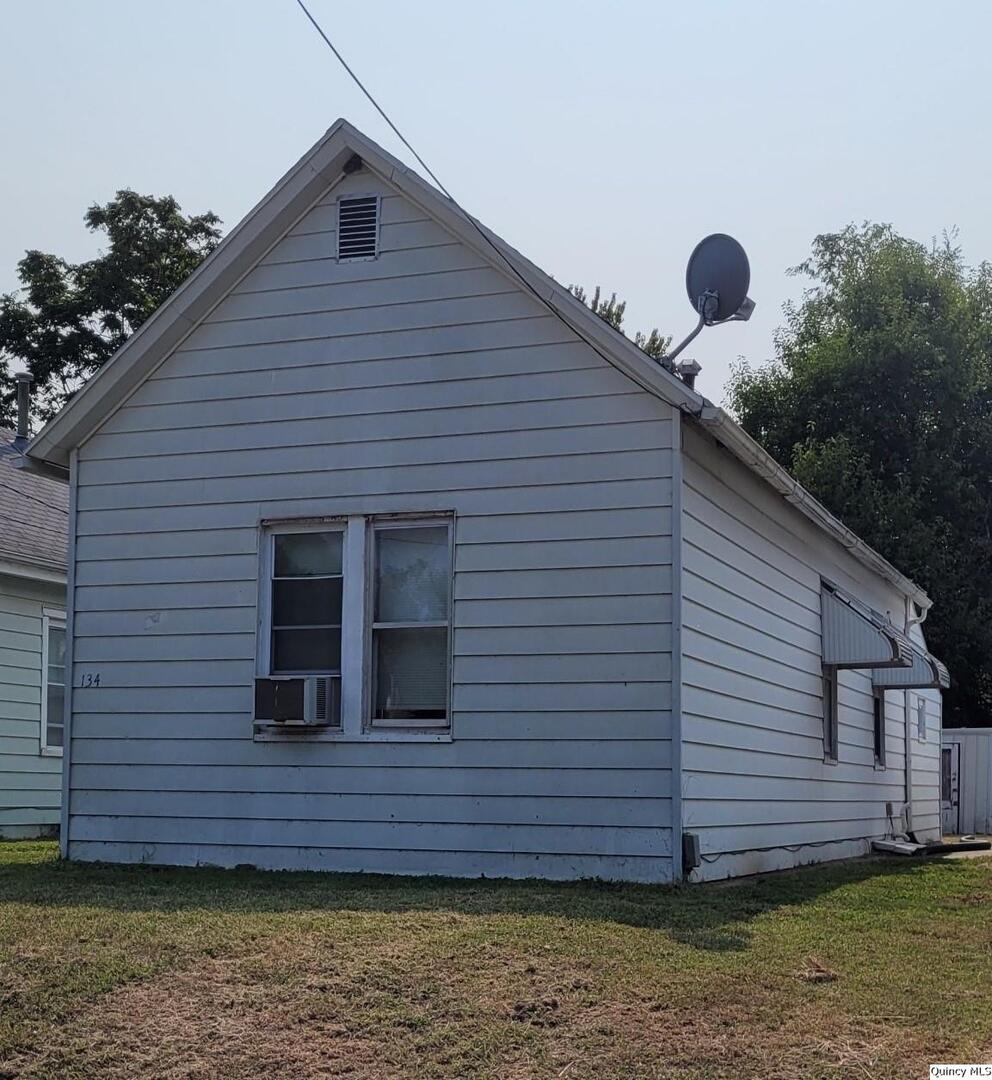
x=547, y=610
x=966, y=781
x=33, y=516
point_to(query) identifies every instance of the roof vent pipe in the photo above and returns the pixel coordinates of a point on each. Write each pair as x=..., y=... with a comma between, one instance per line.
x=688, y=370
x=24, y=381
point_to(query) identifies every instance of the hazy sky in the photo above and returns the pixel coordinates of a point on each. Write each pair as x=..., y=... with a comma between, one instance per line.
x=601, y=139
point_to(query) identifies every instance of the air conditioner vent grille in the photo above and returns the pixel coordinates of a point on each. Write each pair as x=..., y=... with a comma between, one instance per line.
x=358, y=228
x=321, y=708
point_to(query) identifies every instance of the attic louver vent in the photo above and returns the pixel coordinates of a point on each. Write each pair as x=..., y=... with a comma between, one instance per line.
x=358, y=228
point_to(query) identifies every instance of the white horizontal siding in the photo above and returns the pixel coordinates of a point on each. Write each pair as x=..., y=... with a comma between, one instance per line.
x=755, y=786
x=421, y=381
x=30, y=785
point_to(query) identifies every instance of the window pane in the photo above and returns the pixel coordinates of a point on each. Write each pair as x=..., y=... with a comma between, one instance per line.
x=56, y=674
x=413, y=567
x=55, y=714
x=306, y=650
x=306, y=603
x=56, y=646
x=308, y=553
x=411, y=674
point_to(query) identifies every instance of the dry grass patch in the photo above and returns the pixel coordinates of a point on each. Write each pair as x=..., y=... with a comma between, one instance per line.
x=868, y=969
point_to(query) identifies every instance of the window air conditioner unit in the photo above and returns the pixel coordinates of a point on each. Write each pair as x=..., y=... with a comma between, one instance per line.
x=313, y=700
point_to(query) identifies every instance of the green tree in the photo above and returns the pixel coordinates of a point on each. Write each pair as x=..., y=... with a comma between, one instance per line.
x=612, y=311
x=68, y=319
x=879, y=400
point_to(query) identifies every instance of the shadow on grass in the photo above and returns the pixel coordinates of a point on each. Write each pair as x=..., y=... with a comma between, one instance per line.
x=711, y=917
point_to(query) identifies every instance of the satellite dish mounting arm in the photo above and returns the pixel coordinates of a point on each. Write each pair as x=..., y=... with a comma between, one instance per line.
x=707, y=305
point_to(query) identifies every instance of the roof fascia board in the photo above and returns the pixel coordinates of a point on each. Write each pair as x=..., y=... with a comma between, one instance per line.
x=317, y=170
x=32, y=573
x=194, y=299
x=759, y=461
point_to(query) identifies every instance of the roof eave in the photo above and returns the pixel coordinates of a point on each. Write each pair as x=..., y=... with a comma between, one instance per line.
x=618, y=348
x=32, y=572
x=192, y=301
x=290, y=199
x=760, y=462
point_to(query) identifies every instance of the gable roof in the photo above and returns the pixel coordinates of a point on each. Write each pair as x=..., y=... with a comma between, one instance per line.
x=318, y=169
x=33, y=518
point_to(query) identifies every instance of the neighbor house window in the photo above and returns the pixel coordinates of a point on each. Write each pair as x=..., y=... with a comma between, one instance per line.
x=830, y=714
x=364, y=606
x=878, y=715
x=53, y=682
x=921, y=718
x=410, y=624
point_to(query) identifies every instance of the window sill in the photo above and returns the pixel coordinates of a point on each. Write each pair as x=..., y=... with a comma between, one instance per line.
x=298, y=734
x=51, y=751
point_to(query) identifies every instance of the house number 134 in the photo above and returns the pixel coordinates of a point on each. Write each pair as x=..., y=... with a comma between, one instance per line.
x=90, y=678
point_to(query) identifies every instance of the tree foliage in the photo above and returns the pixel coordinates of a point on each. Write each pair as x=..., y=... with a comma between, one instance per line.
x=68, y=319
x=879, y=400
x=612, y=311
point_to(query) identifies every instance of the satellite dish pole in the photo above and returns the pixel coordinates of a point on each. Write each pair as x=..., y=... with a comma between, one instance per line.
x=716, y=279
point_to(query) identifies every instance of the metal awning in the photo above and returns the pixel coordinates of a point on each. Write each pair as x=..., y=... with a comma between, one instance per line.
x=927, y=673
x=855, y=636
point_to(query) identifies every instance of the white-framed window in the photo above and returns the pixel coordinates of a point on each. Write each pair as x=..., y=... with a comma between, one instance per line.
x=366, y=602
x=921, y=718
x=830, y=715
x=410, y=599
x=52, y=682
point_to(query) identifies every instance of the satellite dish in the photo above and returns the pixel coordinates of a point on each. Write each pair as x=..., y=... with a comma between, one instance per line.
x=717, y=278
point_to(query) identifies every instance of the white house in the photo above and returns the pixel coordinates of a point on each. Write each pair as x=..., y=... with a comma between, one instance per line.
x=387, y=554
x=32, y=643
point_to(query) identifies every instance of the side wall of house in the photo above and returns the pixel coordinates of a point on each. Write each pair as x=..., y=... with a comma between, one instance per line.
x=30, y=784
x=974, y=778
x=756, y=788
x=422, y=381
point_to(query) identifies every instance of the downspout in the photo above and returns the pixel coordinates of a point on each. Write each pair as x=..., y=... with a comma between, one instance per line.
x=911, y=620
x=676, y=647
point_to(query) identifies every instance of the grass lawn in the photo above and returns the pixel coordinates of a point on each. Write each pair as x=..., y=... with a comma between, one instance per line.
x=864, y=969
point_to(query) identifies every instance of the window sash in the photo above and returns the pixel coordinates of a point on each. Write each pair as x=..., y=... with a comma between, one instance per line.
x=51, y=620
x=375, y=626
x=268, y=627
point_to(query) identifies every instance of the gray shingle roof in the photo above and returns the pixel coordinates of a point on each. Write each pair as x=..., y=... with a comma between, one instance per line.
x=34, y=513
